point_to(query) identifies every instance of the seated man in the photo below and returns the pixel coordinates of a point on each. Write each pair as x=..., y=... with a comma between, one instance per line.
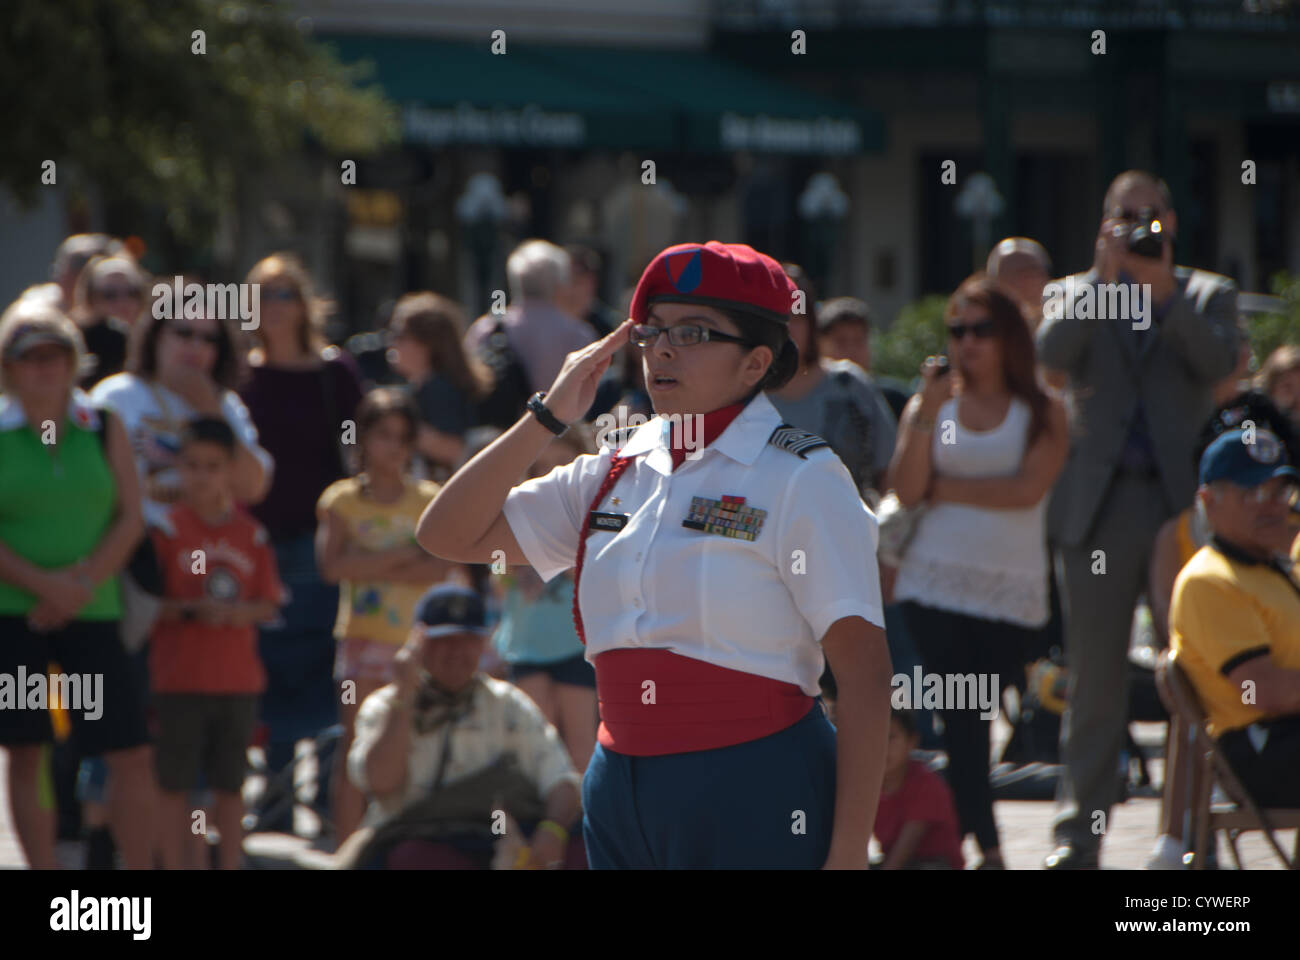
x=451, y=757
x=1181, y=536
x=1235, y=617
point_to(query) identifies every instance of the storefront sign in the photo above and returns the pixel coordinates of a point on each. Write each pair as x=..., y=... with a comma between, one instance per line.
x=465, y=123
x=779, y=135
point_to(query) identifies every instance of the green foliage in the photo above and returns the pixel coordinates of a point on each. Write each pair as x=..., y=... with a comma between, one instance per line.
x=111, y=91
x=917, y=333
x=1268, y=331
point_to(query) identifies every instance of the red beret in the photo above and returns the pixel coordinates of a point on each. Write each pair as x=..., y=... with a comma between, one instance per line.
x=729, y=276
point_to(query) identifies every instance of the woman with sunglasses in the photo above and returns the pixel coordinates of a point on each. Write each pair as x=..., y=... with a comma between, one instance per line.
x=720, y=559
x=299, y=393
x=178, y=369
x=981, y=445
x=109, y=298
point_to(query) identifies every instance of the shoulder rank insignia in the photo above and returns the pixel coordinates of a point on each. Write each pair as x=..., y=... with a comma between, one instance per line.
x=795, y=440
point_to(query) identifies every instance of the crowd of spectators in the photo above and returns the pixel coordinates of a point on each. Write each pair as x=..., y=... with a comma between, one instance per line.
x=220, y=522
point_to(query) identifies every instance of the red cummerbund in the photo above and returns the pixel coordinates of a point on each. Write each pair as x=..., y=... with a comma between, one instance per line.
x=692, y=705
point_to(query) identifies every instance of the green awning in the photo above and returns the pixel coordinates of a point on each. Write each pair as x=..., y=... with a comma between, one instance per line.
x=725, y=106
x=619, y=98
x=458, y=93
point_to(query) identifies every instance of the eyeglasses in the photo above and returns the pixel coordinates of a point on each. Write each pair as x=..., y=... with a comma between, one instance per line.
x=982, y=329
x=189, y=333
x=687, y=335
x=118, y=293
x=279, y=294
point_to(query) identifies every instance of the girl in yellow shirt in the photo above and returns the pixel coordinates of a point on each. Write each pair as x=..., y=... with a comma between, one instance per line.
x=365, y=542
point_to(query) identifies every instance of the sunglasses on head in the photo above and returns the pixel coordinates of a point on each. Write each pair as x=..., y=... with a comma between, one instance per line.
x=686, y=335
x=981, y=330
x=189, y=333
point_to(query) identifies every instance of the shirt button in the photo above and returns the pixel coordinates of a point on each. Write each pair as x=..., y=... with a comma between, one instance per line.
x=638, y=556
x=637, y=603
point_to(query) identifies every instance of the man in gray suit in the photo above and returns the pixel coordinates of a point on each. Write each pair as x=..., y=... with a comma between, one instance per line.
x=1140, y=342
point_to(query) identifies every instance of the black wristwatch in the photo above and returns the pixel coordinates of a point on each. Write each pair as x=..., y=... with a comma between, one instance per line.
x=544, y=415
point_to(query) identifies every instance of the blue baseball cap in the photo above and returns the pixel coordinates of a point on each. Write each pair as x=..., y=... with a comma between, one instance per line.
x=450, y=608
x=1231, y=458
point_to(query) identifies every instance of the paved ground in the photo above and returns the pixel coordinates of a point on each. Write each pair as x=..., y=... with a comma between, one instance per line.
x=1025, y=827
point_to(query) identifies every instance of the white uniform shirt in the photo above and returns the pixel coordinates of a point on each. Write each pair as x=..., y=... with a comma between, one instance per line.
x=759, y=606
x=502, y=718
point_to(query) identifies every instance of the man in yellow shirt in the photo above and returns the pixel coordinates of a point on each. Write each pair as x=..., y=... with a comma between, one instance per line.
x=1235, y=616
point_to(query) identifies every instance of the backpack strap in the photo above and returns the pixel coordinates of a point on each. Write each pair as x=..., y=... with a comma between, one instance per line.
x=796, y=441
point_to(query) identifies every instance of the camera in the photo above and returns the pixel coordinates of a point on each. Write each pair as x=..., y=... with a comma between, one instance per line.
x=1145, y=237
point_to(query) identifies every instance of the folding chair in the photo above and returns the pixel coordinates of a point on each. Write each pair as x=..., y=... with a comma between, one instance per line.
x=280, y=794
x=1190, y=743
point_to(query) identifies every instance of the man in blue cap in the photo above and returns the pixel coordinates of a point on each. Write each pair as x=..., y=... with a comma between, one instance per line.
x=447, y=742
x=1235, y=616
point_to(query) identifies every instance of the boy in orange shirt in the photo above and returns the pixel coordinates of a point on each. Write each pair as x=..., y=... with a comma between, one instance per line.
x=219, y=581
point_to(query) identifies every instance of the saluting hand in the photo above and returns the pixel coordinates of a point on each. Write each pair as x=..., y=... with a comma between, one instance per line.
x=574, y=389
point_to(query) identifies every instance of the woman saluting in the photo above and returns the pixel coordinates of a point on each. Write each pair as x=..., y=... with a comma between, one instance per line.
x=717, y=555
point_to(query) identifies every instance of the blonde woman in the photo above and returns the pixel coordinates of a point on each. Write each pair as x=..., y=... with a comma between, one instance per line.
x=299, y=392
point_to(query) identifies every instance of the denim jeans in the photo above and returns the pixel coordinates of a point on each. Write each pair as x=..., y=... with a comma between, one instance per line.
x=297, y=651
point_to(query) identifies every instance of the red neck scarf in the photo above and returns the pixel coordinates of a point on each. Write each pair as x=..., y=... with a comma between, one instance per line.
x=714, y=423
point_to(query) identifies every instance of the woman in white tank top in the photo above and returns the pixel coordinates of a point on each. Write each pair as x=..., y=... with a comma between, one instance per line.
x=981, y=447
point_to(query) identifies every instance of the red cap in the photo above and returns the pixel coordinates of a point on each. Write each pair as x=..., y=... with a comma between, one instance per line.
x=730, y=276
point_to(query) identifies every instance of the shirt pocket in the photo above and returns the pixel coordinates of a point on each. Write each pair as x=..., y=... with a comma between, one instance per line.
x=735, y=589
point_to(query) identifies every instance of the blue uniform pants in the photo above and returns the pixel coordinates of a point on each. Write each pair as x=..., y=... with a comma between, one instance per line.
x=768, y=803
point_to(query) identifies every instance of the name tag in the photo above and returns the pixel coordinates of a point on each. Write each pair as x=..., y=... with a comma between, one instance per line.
x=607, y=521
x=728, y=517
